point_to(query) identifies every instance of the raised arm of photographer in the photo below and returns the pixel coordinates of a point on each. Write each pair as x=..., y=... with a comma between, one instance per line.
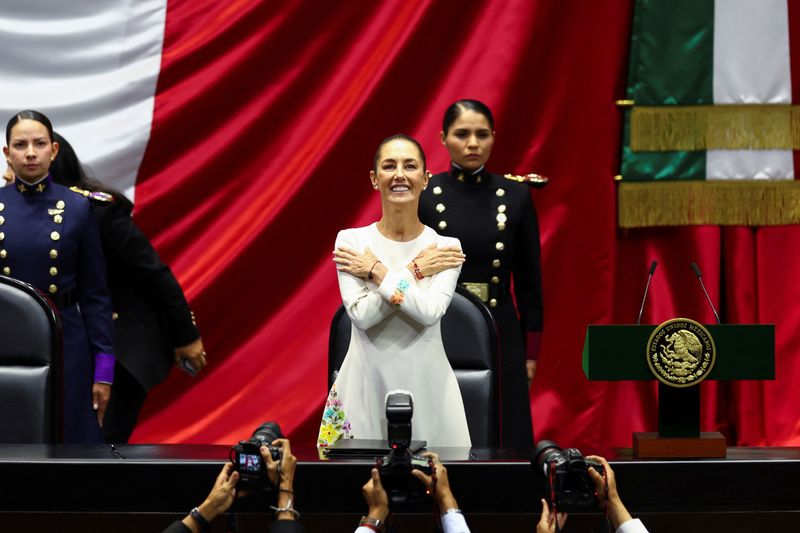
x=217, y=502
x=283, y=477
x=453, y=520
x=619, y=516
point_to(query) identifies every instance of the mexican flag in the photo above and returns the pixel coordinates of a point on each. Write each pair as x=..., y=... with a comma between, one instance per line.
x=710, y=125
x=91, y=67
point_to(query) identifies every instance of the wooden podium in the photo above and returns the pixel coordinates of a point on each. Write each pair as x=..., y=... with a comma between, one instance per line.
x=619, y=353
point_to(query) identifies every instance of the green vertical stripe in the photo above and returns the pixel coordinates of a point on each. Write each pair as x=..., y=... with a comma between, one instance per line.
x=671, y=63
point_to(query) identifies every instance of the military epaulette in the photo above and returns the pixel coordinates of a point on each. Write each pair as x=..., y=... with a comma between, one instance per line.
x=532, y=180
x=97, y=197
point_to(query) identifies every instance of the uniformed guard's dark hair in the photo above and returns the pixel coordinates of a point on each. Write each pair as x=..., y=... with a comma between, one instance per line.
x=399, y=137
x=67, y=170
x=456, y=108
x=29, y=114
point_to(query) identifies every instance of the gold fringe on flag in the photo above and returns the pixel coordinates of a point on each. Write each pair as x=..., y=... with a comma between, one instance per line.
x=723, y=202
x=715, y=127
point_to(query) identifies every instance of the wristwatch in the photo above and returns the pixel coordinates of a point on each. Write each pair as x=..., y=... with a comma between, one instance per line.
x=372, y=523
x=204, y=524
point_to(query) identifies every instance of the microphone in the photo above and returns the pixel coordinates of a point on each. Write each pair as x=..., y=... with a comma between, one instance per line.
x=653, y=266
x=700, y=279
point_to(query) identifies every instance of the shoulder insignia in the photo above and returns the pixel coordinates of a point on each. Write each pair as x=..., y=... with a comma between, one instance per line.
x=533, y=180
x=96, y=197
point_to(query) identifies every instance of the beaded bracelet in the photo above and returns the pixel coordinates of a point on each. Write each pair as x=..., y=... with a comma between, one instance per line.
x=417, y=272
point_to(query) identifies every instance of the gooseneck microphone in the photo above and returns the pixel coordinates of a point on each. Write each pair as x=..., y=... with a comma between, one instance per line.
x=703, y=285
x=653, y=266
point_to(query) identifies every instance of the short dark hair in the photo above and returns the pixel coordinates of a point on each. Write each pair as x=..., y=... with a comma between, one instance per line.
x=29, y=114
x=399, y=137
x=457, y=108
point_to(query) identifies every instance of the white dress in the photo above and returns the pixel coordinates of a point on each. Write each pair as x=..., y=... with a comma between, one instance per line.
x=395, y=347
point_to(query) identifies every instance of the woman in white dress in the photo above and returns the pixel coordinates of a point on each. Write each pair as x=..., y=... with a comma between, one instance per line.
x=397, y=277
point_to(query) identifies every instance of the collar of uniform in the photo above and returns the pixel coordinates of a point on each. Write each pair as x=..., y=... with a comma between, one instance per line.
x=468, y=176
x=39, y=187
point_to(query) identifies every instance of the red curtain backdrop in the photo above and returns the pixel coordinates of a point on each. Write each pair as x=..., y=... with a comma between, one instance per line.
x=267, y=116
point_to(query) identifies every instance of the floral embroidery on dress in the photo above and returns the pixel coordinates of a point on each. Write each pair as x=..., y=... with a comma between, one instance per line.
x=399, y=293
x=335, y=425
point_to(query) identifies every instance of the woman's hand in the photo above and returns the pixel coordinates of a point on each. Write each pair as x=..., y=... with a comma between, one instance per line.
x=101, y=393
x=352, y=262
x=433, y=260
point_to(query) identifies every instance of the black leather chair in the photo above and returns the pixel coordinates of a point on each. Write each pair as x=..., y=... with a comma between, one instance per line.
x=469, y=336
x=30, y=365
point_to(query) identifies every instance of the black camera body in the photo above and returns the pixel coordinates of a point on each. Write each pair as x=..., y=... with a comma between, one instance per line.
x=247, y=460
x=395, y=469
x=568, y=485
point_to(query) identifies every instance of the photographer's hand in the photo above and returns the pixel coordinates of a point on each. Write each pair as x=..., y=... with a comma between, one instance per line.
x=218, y=500
x=441, y=491
x=283, y=477
x=547, y=522
x=617, y=513
x=376, y=497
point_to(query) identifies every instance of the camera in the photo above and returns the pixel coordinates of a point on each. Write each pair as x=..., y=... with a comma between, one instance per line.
x=395, y=469
x=246, y=456
x=569, y=487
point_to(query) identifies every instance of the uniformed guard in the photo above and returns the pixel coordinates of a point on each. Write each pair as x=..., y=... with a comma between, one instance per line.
x=49, y=238
x=495, y=221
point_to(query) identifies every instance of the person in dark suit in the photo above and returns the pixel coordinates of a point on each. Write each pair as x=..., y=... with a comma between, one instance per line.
x=49, y=238
x=153, y=325
x=495, y=221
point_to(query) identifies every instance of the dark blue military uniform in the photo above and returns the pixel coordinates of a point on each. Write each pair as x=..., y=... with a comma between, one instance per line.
x=495, y=221
x=49, y=238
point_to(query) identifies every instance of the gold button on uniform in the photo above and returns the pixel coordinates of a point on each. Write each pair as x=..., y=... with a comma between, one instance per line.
x=495, y=280
x=53, y=253
x=60, y=204
x=439, y=208
x=53, y=271
x=493, y=303
x=501, y=218
x=2, y=206
x=500, y=192
x=53, y=289
x=114, y=316
x=2, y=220
x=3, y=254
x=437, y=190
x=500, y=246
x=57, y=219
x=501, y=226
x=7, y=271
x=501, y=208
x=496, y=263
x=442, y=225
x=55, y=236
x=2, y=235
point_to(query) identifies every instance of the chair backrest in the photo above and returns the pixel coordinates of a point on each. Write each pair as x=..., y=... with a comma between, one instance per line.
x=469, y=336
x=30, y=365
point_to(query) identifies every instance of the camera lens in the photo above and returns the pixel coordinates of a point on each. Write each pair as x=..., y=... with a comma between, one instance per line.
x=546, y=452
x=267, y=432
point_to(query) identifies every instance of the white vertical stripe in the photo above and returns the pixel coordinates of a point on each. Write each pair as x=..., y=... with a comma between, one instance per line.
x=751, y=65
x=92, y=67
